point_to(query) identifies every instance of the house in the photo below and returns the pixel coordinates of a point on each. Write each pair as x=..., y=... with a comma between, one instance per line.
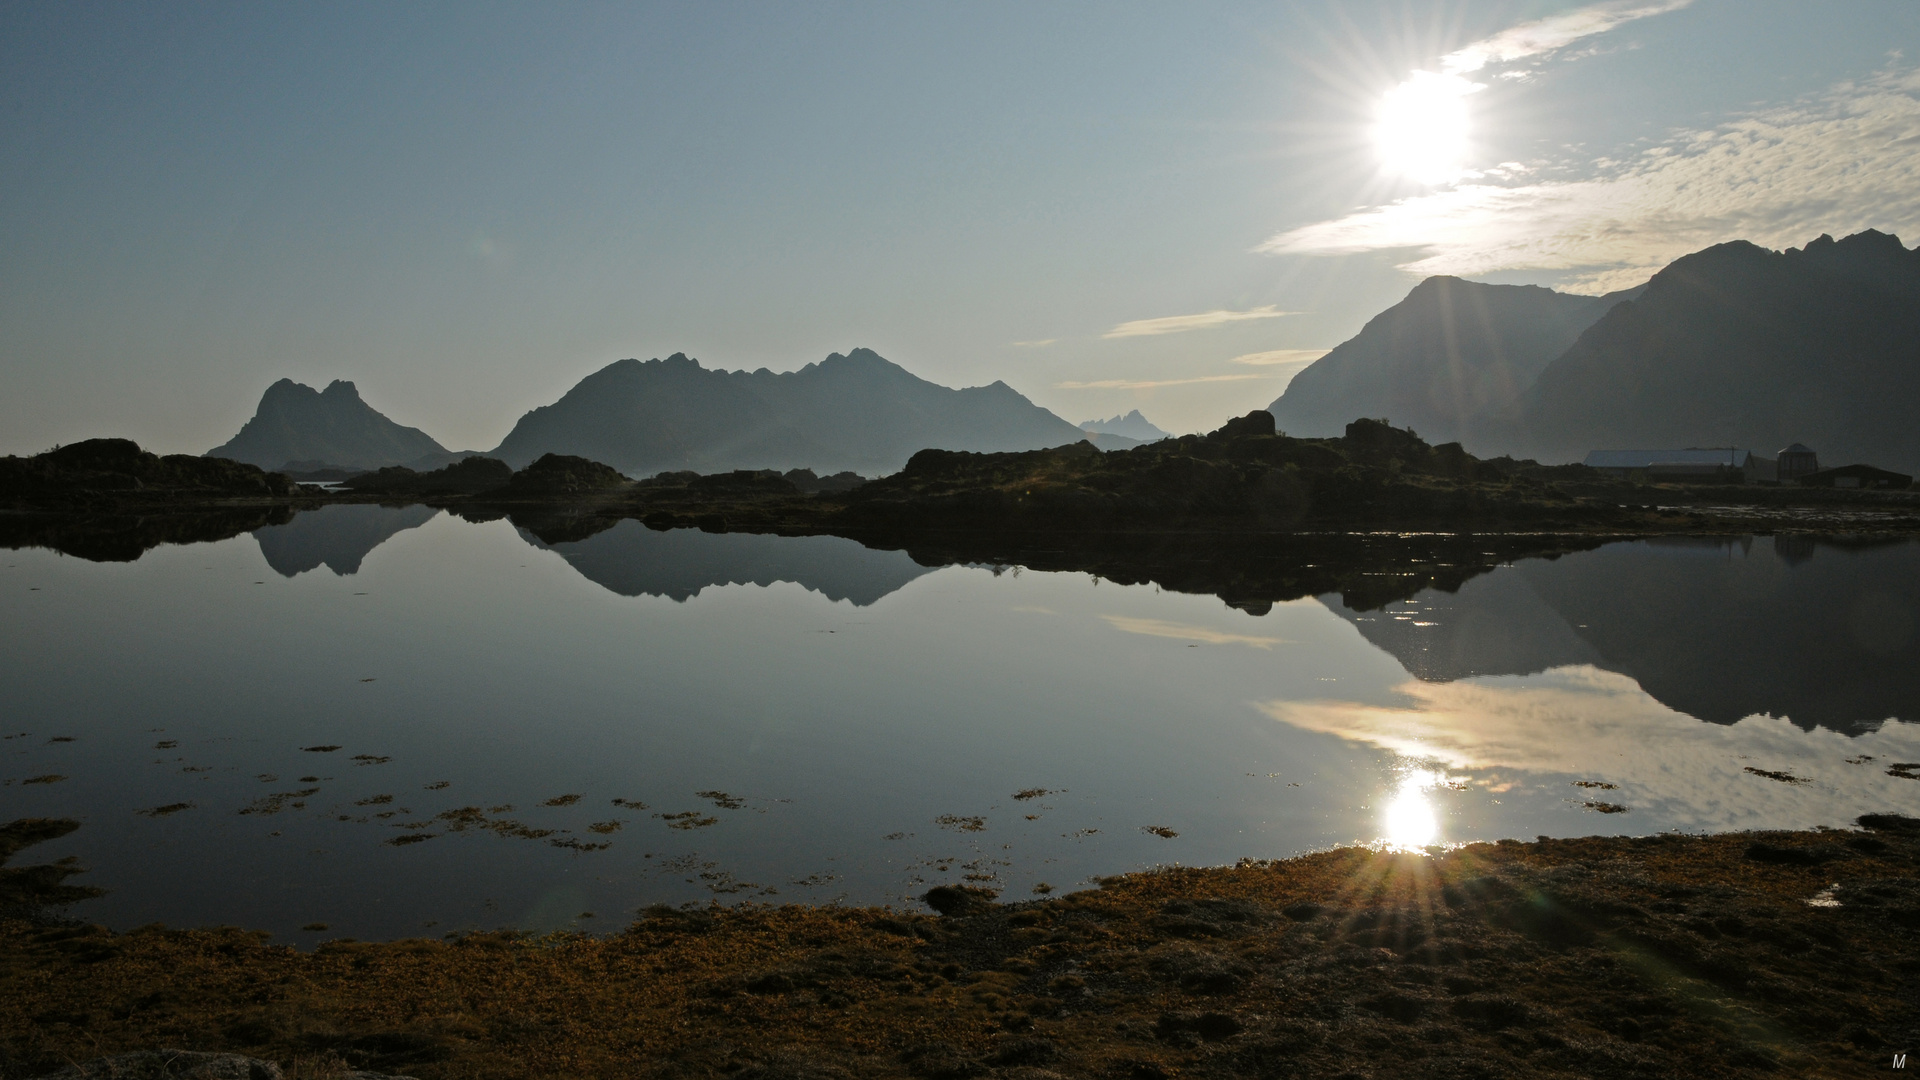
x=1695, y=465
x=1797, y=461
x=1858, y=476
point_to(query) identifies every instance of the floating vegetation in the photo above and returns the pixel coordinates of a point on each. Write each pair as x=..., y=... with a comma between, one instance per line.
x=267, y=778
x=166, y=744
x=562, y=800
x=1785, y=778
x=320, y=749
x=894, y=836
x=61, y=738
x=1905, y=770
x=1160, y=831
x=571, y=844
x=1605, y=807
x=196, y=768
x=687, y=819
x=503, y=808
x=961, y=823
x=163, y=811
x=1041, y=888
x=47, y=778
x=370, y=759
x=1601, y=785
x=309, y=779
x=439, y=784
x=721, y=799
x=374, y=800
x=631, y=804
x=410, y=838
x=604, y=827
x=314, y=927
x=1031, y=793
x=278, y=801
x=467, y=818
x=1078, y=833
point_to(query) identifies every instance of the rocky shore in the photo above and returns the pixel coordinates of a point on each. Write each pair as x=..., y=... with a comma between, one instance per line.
x=1781, y=954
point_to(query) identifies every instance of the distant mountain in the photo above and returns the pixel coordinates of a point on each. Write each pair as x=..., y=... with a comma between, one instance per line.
x=296, y=423
x=1451, y=361
x=856, y=412
x=1131, y=426
x=1741, y=346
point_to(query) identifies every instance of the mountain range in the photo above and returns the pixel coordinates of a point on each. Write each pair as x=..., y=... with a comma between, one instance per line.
x=857, y=412
x=1735, y=345
x=1130, y=426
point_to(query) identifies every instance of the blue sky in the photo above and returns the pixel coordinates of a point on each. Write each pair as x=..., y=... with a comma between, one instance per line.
x=466, y=207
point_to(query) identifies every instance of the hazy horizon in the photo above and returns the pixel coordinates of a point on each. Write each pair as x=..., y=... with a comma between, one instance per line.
x=464, y=210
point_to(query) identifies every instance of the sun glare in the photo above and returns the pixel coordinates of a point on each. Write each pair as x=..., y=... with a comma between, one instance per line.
x=1409, y=823
x=1421, y=127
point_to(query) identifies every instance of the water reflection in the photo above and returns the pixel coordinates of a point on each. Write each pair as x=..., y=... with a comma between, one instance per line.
x=338, y=536
x=1408, y=822
x=633, y=560
x=1823, y=635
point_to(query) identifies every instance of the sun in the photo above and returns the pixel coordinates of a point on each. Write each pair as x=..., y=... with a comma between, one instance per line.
x=1422, y=126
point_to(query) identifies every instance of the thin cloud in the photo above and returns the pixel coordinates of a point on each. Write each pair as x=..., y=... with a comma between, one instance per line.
x=1149, y=384
x=1179, y=324
x=1280, y=357
x=1552, y=34
x=1846, y=160
x=1036, y=344
x=1189, y=632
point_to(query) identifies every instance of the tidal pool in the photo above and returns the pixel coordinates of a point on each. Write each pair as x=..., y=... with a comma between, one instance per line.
x=383, y=722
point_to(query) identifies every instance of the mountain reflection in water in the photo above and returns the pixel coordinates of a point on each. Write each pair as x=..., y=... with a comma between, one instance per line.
x=1821, y=634
x=337, y=536
x=633, y=560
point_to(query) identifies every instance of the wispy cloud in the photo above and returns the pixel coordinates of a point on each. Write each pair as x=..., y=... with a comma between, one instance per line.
x=1843, y=161
x=1552, y=33
x=1281, y=357
x=1148, y=384
x=1036, y=344
x=1189, y=632
x=1178, y=324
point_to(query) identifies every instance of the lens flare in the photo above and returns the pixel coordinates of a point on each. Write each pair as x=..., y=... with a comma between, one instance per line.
x=1421, y=127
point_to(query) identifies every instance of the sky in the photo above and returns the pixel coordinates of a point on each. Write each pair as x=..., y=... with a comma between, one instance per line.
x=465, y=208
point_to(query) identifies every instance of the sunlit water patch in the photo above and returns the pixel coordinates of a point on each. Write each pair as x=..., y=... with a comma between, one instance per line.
x=389, y=722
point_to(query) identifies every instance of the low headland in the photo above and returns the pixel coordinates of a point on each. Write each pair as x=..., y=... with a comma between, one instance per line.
x=1757, y=954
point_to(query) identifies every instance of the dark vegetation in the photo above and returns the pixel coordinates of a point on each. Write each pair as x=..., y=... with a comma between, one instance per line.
x=1663, y=956
x=117, y=474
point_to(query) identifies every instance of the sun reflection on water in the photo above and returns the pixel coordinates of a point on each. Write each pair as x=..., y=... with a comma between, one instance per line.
x=1409, y=823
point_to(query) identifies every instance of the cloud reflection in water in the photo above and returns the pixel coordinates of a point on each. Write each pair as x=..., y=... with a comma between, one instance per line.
x=1582, y=722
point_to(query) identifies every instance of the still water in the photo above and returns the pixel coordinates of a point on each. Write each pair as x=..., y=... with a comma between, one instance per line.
x=390, y=721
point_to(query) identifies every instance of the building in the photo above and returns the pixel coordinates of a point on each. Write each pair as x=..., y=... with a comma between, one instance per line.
x=1694, y=465
x=1797, y=461
x=1858, y=476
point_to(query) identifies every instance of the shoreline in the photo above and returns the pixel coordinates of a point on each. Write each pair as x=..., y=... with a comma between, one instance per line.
x=1670, y=955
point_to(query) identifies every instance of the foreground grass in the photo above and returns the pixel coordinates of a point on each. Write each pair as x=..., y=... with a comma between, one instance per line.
x=1660, y=956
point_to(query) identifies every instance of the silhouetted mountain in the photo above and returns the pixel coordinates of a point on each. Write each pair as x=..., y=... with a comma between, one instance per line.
x=1451, y=361
x=338, y=536
x=856, y=412
x=1824, y=634
x=296, y=423
x=633, y=560
x=1740, y=346
x=1131, y=426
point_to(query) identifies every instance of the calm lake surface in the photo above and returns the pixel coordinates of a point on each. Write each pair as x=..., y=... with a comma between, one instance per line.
x=394, y=722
